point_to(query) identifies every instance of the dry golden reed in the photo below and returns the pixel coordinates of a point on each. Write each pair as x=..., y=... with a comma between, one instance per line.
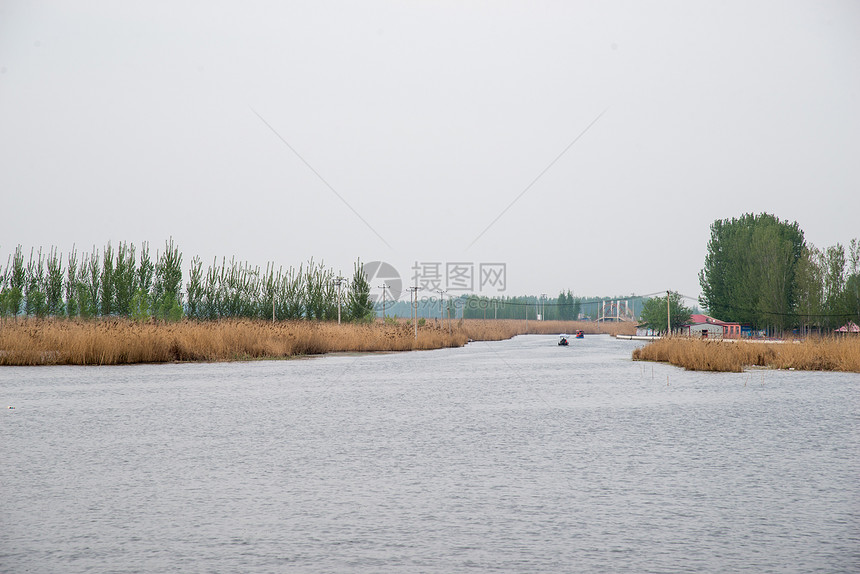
x=814, y=354
x=122, y=341
x=112, y=342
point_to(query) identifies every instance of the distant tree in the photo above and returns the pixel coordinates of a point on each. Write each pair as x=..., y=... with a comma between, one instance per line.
x=35, y=300
x=654, y=312
x=569, y=306
x=319, y=292
x=90, y=280
x=854, y=257
x=145, y=270
x=70, y=285
x=292, y=294
x=141, y=300
x=106, y=297
x=16, y=279
x=54, y=284
x=563, y=311
x=194, y=289
x=167, y=296
x=359, y=306
x=124, y=279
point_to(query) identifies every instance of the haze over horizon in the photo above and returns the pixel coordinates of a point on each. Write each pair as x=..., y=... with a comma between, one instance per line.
x=586, y=147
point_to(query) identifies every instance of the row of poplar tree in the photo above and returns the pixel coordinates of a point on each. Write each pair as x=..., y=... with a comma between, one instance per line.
x=760, y=271
x=125, y=282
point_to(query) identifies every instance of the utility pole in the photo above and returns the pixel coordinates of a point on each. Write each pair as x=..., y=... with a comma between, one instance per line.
x=441, y=299
x=543, y=307
x=601, y=305
x=338, y=281
x=449, y=317
x=383, y=302
x=668, y=316
x=413, y=294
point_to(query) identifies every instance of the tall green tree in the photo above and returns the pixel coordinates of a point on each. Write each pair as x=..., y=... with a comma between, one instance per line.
x=834, y=286
x=145, y=270
x=194, y=289
x=54, y=284
x=318, y=282
x=124, y=279
x=750, y=269
x=35, y=300
x=70, y=285
x=90, y=283
x=4, y=278
x=852, y=284
x=167, y=296
x=570, y=307
x=563, y=307
x=852, y=299
x=809, y=289
x=359, y=305
x=106, y=297
x=141, y=301
x=16, y=279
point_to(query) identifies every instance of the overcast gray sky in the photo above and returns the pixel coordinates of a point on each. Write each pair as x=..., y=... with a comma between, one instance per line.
x=137, y=121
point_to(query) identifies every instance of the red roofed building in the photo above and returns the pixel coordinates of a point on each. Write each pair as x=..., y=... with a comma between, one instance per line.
x=849, y=327
x=707, y=327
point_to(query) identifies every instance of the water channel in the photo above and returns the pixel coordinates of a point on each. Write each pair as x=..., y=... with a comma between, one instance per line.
x=512, y=456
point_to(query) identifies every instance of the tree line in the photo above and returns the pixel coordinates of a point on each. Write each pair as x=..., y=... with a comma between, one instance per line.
x=565, y=307
x=760, y=271
x=122, y=282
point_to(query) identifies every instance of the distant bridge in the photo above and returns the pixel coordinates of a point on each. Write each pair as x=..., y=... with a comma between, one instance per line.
x=617, y=310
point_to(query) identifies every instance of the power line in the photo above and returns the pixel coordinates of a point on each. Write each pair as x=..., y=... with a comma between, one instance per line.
x=786, y=314
x=523, y=301
x=501, y=302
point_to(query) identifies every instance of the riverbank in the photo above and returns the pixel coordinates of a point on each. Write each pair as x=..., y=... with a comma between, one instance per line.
x=813, y=354
x=28, y=342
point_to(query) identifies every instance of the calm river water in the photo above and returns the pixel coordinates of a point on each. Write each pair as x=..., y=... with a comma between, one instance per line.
x=515, y=456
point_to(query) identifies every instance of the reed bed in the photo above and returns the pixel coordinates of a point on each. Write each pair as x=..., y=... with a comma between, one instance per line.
x=813, y=354
x=120, y=341
x=123, y=341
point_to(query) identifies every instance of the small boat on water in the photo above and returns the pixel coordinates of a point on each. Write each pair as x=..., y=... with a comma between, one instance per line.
x=563, y=340
x=580, y=335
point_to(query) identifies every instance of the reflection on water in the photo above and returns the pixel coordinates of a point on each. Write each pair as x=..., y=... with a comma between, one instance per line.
x=518, y=456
